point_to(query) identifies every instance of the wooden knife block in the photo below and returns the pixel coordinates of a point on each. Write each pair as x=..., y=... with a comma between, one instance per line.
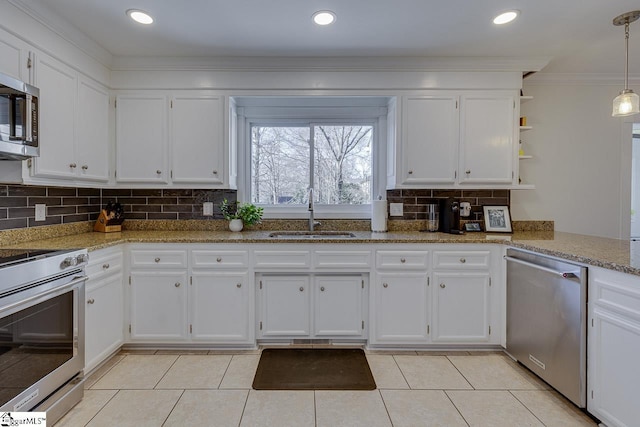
x=105, y=225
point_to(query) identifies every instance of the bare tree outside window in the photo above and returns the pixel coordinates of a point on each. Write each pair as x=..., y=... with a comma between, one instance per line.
x=281, y=164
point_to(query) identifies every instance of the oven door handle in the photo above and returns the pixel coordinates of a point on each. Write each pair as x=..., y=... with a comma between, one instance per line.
x=76, y=280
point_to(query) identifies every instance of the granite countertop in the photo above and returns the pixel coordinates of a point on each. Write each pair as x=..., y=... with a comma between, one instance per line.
x=613, y=254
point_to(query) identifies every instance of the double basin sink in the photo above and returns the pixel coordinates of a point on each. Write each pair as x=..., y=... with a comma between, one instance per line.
x=312, y=235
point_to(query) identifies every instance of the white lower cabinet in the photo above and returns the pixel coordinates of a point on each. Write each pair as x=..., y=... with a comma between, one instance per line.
x=613, y=377
x=159, y=305
x=220, y=307
x=311, y=306
x=400, y=311
x=460, y=307
x=104, y=306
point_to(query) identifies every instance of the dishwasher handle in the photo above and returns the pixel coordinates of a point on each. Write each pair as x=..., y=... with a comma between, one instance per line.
x=565, y=274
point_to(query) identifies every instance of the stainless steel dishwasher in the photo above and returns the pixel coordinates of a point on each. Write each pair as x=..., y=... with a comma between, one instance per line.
x=547, y=319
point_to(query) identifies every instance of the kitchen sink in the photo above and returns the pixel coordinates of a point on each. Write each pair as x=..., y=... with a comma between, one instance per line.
x=312, y=235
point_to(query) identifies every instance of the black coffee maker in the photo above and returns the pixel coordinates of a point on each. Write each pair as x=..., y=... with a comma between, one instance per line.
x=450, y=216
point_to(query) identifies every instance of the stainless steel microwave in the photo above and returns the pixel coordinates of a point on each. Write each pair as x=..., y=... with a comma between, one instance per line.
x=18, y=119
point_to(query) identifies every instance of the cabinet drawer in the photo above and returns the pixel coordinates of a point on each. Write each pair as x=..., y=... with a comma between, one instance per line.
x=282, y=259
x=461, y=260
x=616, y=291
x=219, y=259
x=404, y=260
x=158, y=258
x=344, y=259
x=103, y=264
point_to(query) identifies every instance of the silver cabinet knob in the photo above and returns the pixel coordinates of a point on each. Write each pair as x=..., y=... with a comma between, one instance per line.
x=105, y=266
x=177, y=284
x=85, y=167
x=219, y=259
x=442, y=285
x=410, y=172
x=158, y=171
x=402, y=260
x=91, y=301
x=239, y=285
x=321, y=288
x=215, y=172
x=157, y=260
x=463, y=260
x=72, y=165
x=301, y=288
x=385, y=285
x=468, y=171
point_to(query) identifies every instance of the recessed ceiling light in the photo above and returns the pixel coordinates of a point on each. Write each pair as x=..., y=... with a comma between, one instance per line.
x=324, y=17
x=140, y=16
x=506, y=17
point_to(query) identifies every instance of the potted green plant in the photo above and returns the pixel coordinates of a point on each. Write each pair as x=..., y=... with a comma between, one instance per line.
x=240, y=214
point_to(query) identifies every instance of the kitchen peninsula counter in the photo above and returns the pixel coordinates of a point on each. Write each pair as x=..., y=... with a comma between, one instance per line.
x=613, y=254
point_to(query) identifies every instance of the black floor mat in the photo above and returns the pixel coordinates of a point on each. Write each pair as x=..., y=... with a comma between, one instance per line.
x=313, y=369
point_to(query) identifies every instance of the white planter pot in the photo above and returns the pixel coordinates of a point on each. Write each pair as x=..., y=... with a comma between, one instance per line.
x=235, y=225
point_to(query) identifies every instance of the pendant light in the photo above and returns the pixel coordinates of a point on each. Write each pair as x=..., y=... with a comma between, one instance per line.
x=627, y=103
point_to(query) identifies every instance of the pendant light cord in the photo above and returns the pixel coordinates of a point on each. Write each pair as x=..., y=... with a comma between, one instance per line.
x=626, y=55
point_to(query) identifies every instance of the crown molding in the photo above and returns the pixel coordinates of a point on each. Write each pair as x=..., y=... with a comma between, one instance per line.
x=578, y=79
x=341, y=64
x=67, y=32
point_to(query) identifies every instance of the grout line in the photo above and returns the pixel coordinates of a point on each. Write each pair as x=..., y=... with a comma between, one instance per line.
x=246, y=400
x=315, y=410
x=165, y=374
x=225, y=371
x=526, y=407
x=173, y=408
x=401, y=373
x=385, y=406
x=465, y=378
x=106, y=371
x=454, y=405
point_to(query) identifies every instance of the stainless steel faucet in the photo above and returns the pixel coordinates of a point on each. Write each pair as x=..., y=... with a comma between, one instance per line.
x=312, y=221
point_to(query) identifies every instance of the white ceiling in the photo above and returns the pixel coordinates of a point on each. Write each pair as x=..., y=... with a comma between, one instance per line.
x=577, y=34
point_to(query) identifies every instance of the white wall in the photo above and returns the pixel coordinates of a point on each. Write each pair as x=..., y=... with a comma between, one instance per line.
x=582, y=160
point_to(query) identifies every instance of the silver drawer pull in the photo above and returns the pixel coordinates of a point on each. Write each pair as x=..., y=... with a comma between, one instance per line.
x=85, y=167
x=105, y=266
x=72, y=165
x=91, y=301
x=468, y=171
x=219, y=259
x=321, y=288
x=158, y=172
x=385, y=285
x=442, y=285
x=301, y=289
x=177, y=285
x=157, y=260
x=462, y=260
x=410, y=172
x=215, y=172
x=402, y=260
x=239, y=285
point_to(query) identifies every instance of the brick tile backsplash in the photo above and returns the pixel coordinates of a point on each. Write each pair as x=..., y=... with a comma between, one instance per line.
x=67, y=204
x=415, y=200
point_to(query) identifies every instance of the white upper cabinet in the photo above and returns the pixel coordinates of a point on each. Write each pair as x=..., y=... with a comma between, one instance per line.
x=141, y=138
x=429, y=139
x=14, y=55
x=58, y=88
x=197, y=135
x=487, y=149
x=175, y=138
x=455, y=139
x=92, y=146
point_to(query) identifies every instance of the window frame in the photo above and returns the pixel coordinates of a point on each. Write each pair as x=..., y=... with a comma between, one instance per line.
x=277, y=116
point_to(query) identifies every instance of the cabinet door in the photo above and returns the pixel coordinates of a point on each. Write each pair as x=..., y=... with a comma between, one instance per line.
x=487, y=139
x=220, y=307
x=401, y=308
x=460, y=307
x=285, y=306
x=141, y=138
x=338, y=306
x=103, y=320
x=197, y=139
x=93, y=131
x=14, y=54
x=58, y=89
x=614, y=377
x=159, y=305
x=430, y=139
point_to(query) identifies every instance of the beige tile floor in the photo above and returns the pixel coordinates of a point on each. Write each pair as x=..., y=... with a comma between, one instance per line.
x=200, y=388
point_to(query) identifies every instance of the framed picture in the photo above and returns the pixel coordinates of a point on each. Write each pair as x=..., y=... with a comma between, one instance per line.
x=497, y=219
x=472, y=226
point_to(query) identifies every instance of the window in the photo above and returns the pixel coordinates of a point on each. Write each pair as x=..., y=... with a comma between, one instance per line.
x=333, y=144
x=335, y=159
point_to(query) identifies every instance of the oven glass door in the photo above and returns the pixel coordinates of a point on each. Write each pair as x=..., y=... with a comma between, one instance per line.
x=34, y=342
